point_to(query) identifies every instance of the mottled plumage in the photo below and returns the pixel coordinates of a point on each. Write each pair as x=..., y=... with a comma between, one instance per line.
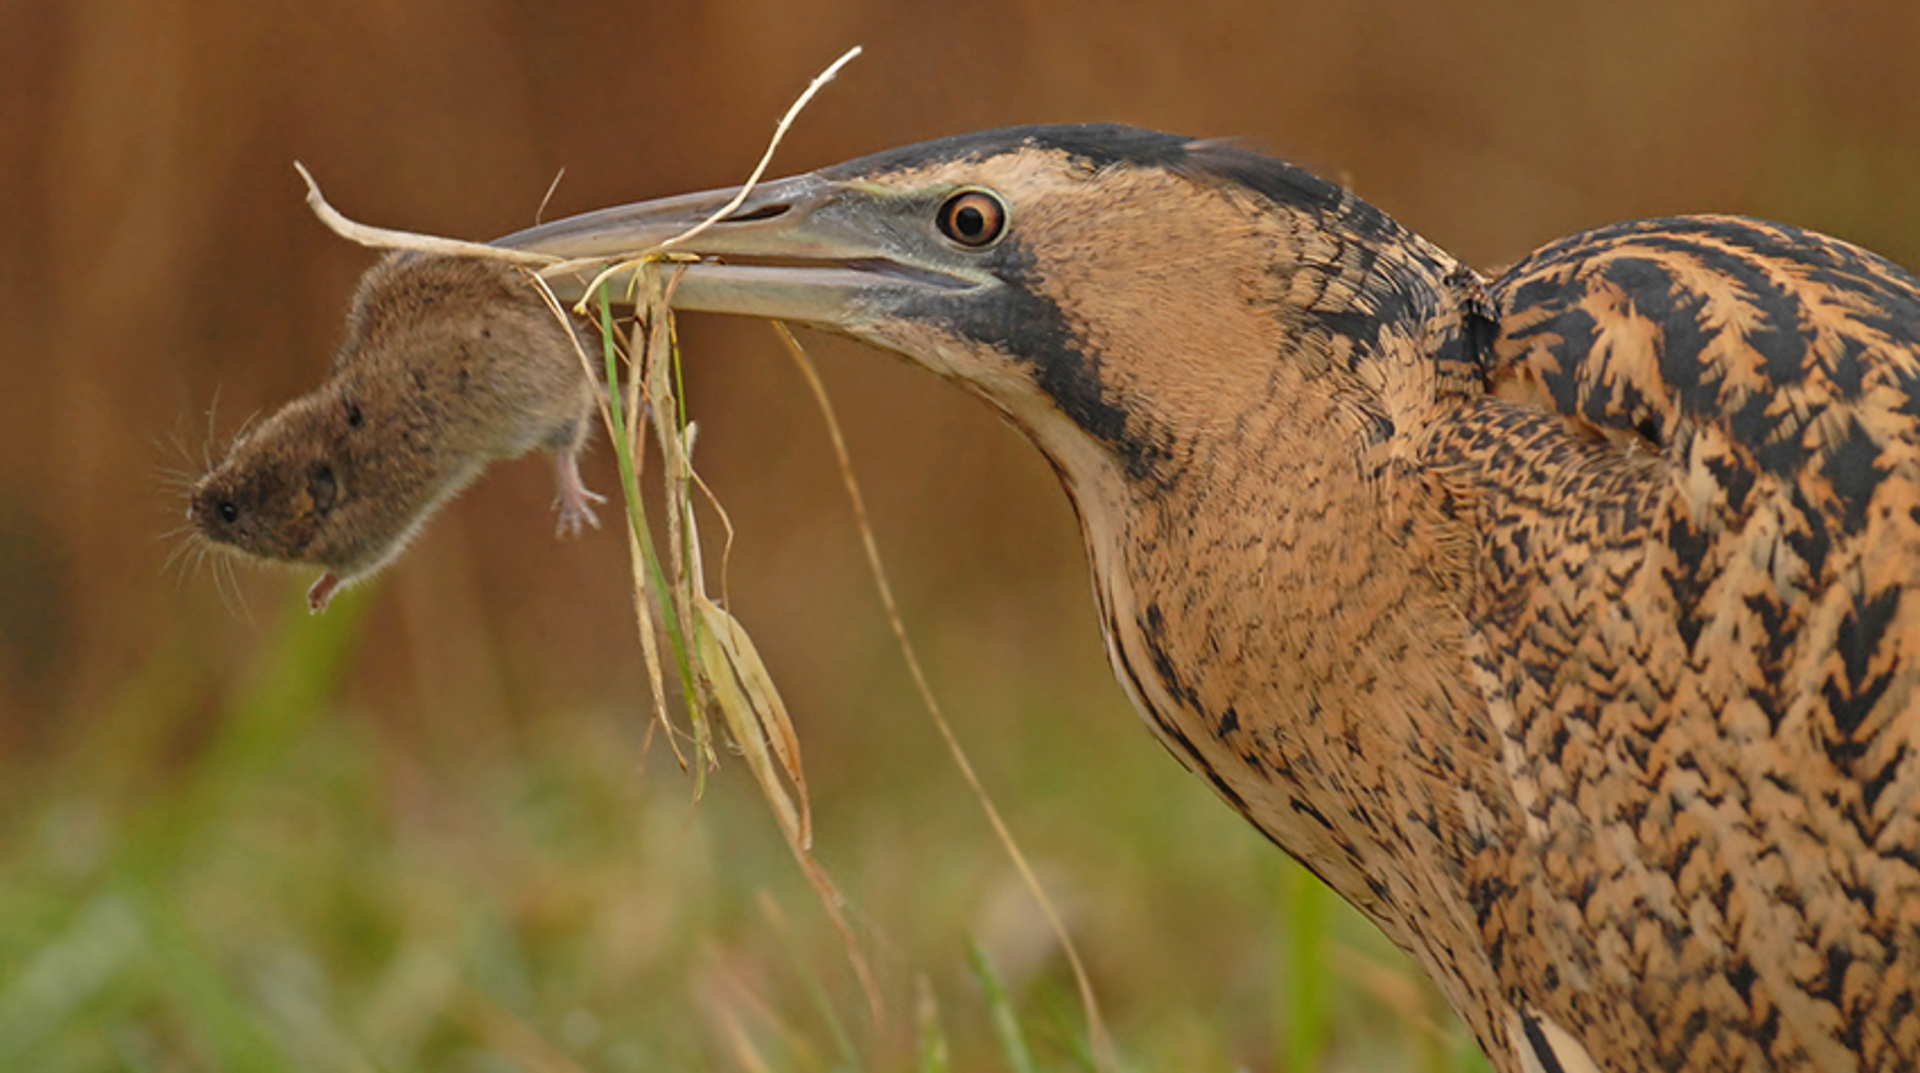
x=1700, y=629
x=1563, y=623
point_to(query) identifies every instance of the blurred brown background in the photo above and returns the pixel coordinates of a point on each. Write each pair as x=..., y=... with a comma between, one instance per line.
x=158, y=257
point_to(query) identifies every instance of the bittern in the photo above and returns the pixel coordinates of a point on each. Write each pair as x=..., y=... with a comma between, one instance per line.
x=1564, y=623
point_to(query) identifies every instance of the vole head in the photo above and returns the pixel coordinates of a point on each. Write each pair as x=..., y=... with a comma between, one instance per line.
x=313, y=484
x=267, y=498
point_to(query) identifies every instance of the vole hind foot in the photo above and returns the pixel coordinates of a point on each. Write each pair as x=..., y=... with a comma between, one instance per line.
x=576, y=500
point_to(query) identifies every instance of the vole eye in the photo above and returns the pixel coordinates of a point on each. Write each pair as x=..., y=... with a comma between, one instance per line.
x=227, y=511
x=973, y=218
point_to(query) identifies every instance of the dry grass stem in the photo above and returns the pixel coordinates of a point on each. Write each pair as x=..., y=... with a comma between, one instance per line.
x=546, y=198
x=381, y=238
x=766, y=158
x=720, y=667
x=1102, y=1042
x=638, y=258
x=726, y=676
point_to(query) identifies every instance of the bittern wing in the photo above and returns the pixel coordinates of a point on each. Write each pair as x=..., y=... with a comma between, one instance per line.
x=1707, y=658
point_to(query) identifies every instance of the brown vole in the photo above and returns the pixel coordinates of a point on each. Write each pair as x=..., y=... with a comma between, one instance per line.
x=448, y=364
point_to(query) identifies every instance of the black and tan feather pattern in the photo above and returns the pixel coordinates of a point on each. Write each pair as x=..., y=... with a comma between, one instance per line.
x=1568, y=624
x=1702, y=627
x=1650, y=498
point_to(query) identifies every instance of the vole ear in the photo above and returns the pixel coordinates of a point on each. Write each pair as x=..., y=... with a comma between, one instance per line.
x=322, y=488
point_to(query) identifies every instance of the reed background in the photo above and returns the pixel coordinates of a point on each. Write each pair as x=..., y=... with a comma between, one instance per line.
x=422, y=832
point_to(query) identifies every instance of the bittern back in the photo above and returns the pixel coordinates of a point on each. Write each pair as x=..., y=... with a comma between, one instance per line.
x=1564, y=623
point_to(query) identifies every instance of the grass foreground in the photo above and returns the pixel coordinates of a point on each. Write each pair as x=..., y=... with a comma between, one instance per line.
x=298, y=890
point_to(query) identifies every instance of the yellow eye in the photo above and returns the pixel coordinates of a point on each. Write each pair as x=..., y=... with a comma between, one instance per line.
x=973, y=218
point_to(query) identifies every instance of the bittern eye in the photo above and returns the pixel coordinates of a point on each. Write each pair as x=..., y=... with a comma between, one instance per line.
x=973, y=218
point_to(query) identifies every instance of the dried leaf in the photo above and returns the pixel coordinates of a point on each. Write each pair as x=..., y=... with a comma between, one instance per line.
x=744, y=690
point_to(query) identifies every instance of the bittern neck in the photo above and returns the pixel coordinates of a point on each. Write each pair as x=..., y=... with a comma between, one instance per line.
x=1278, y=590
x=1337, y=303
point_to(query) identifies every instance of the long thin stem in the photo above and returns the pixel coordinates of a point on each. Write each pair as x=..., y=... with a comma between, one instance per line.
x=636, y=508
x=1103, y=1052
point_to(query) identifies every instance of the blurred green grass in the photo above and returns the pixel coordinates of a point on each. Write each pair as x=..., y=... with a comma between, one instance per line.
x=303, y=890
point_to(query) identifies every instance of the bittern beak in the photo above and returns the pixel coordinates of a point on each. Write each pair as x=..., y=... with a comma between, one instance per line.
x=814, y=249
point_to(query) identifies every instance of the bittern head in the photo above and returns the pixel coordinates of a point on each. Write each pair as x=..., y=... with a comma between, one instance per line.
x=1109, y=289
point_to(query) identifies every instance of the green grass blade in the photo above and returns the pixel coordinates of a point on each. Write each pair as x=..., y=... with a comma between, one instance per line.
x=637, y=520
x=1006, y=1023
x=935, y=1055
x=1307, y=903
